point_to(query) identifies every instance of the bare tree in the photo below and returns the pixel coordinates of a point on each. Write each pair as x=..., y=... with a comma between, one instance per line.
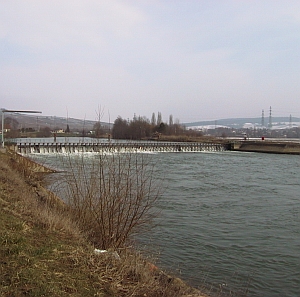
x=97, y=129
x=171, y=120
x=120, y=128
x=153, y=119
x=112, y=197
x=159, y=118
x=97, y=126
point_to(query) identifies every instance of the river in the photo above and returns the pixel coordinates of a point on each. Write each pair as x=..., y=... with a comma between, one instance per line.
x=228, y=221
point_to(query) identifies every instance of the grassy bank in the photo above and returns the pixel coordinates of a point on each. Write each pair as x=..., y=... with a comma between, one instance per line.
x=43, y=252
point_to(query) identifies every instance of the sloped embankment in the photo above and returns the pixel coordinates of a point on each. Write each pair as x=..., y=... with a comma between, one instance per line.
x=43, y=253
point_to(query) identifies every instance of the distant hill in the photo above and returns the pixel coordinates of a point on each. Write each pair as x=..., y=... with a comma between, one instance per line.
x=242, y=122
x=37, y=121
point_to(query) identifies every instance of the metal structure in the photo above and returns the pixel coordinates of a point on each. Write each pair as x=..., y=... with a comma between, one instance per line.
x=263, y=118
x=270, y=118
x=108, y=147
x=3, y=111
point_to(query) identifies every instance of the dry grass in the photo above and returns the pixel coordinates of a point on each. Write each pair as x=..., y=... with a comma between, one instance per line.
x=44, y=252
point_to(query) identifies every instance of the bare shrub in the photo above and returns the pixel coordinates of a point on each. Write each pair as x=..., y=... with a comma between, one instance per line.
x=111, y=196
x=72, y=266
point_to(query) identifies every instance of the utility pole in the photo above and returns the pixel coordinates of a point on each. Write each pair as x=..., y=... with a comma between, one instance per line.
x=270, y=118
x=263, y=118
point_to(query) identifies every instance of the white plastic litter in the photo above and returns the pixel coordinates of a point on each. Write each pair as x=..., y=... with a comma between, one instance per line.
x=113, y=253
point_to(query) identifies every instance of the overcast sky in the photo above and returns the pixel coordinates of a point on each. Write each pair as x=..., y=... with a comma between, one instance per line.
x=197, y=60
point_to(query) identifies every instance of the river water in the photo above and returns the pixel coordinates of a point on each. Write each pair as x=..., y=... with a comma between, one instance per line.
x=228, y=221
x=232, y=220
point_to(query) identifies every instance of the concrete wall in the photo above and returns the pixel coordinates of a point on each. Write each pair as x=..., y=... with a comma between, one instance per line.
x=267, y=147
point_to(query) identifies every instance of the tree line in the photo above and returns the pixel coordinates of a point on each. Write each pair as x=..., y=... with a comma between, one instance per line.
x=140, y=127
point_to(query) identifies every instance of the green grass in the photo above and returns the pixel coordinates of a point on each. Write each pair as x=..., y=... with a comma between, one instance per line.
x=36, y=262
x=43, y=253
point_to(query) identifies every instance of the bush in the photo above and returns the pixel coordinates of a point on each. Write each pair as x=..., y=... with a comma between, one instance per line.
x=111, y=196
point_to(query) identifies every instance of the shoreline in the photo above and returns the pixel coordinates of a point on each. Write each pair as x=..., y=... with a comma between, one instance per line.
x=18, y=189
x=268, y=145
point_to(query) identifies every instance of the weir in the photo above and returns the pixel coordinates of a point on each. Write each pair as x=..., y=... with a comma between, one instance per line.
x=113, y=147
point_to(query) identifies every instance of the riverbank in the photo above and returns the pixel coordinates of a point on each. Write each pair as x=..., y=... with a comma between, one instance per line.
x=266, y=146
x=43, y=252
